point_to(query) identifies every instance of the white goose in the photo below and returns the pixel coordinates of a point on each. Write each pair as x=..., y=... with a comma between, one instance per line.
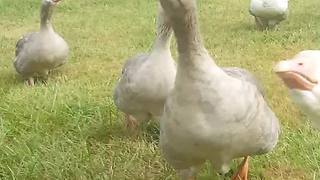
x=302, y=76
x=210, y=115
x=39, y=52
x=268, y=13
x=147, y=79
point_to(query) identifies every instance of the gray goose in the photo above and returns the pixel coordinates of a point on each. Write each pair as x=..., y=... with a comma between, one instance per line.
x=210, y=115
x=39, y=52
x=147, y=79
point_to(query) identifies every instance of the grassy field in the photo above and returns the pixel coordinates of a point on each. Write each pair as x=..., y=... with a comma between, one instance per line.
x=70, y=128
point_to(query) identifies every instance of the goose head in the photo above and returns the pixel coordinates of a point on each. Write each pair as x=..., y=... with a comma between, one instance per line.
x=50, y=2
x=301, y=75
x=178, y=9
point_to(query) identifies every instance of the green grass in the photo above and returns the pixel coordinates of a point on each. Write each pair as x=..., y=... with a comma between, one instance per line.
x=70, y=129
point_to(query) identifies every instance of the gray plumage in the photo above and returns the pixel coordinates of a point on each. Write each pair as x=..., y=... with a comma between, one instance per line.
x=24, y=40
x=147, y=79
x=39, y=52
x=212, y=113
x=244, y=75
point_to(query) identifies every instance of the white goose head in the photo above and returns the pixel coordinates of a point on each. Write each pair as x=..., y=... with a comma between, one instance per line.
x=301, y=74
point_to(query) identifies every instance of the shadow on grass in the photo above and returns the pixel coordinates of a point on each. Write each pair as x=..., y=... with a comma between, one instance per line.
x=150, y=131
x=108, y=126
x=243, y=27
x=9, y=79
x=249, y=27
x=105, y=133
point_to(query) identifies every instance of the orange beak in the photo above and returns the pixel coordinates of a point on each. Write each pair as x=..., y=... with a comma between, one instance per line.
x=295, y=80
x=56, y=1
x=294, y=75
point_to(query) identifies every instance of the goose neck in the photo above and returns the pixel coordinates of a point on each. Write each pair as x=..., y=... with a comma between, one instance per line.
x=188, y=36
x=164, y=30
x=163, y=39
x=46, y=15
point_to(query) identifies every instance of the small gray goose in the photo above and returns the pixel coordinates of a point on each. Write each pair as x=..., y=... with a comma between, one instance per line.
x=147, y=79
x=39, y=52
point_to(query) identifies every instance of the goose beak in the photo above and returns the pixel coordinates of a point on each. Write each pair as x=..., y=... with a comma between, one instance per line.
x=295, y=80
x=293, y=76
x=56, y=2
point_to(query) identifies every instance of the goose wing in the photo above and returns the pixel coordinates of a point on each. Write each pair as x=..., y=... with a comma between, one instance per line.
x=26, y=39
x=125, y=88
x=243, y=75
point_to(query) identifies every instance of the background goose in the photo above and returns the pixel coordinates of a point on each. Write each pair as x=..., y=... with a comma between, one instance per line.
x=301, y=74
x=210, y=115
x=39, y=52
x=268, y=13
x=147, y=79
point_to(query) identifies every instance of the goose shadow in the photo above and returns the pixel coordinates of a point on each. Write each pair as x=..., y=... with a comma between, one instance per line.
x=114, y=128
x=108, y=127
x=9, y=80
x=244, y=27
x=55, y=75
x=150, y=131
x=250, y=26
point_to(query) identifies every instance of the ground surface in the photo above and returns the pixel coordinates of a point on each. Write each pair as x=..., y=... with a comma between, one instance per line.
x=70, y=128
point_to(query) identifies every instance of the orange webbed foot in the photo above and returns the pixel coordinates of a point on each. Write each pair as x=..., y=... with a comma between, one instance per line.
x=242, y=173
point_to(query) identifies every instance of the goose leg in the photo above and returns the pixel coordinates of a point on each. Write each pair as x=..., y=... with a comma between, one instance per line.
x=258, y=23
x=45, y=77
x=131, y=123
x=272, y=24
x=30, y=81
x=242, y=173
x=261, y=23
